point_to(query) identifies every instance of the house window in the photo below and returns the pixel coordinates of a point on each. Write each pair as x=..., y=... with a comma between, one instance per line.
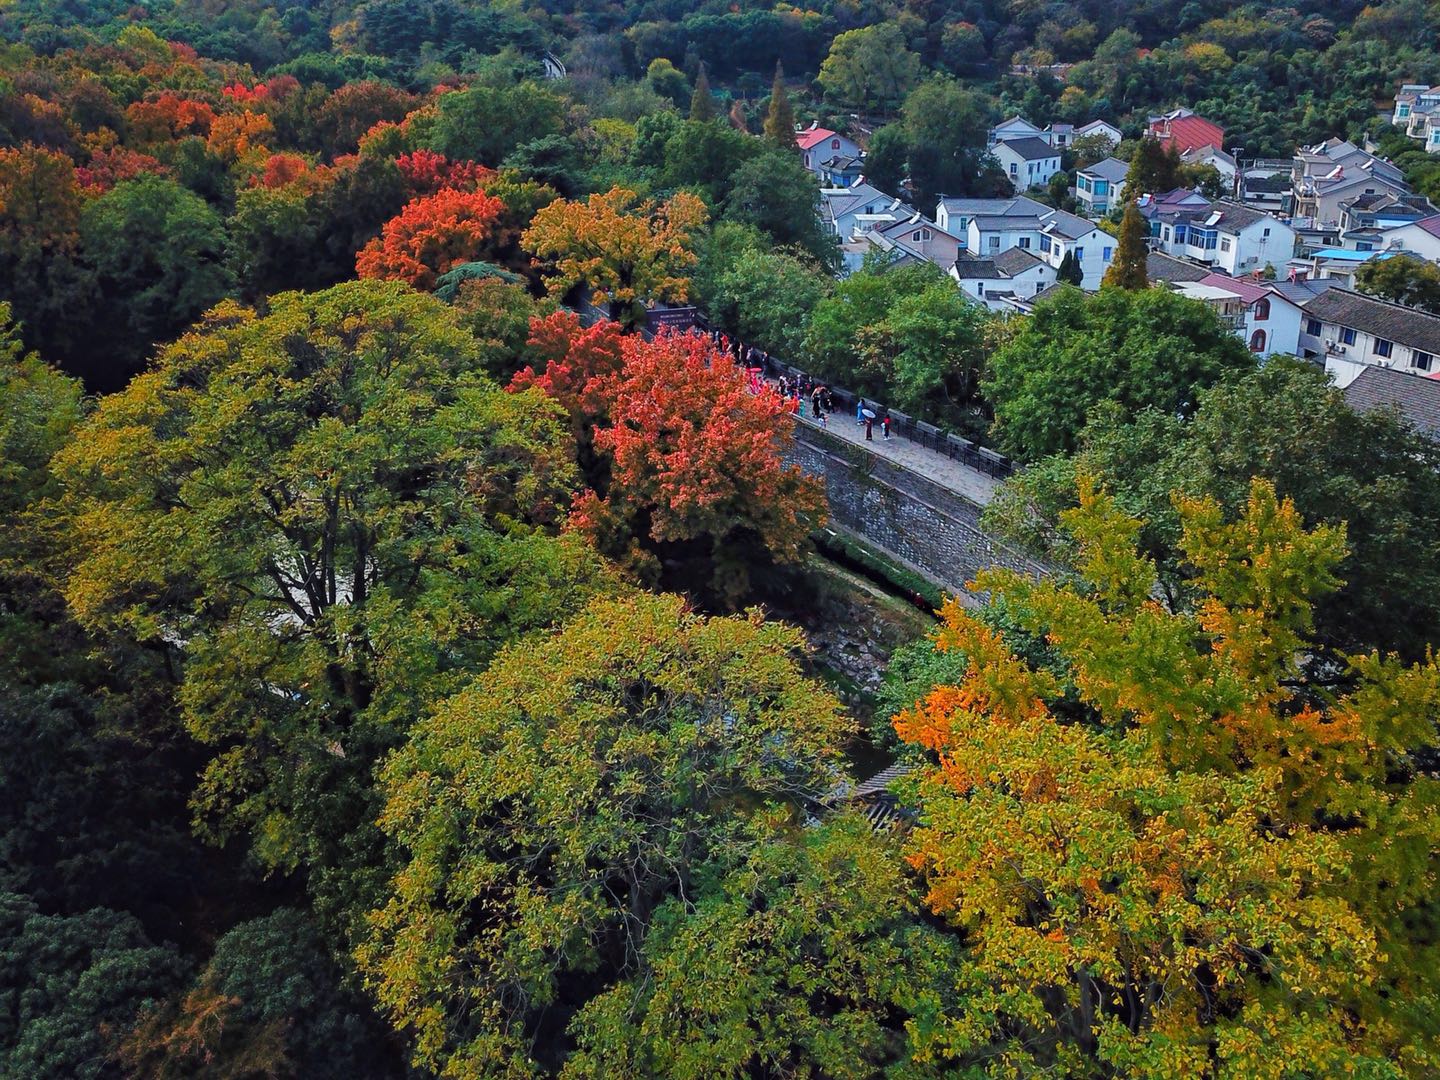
x=1266, y=233
x=1257, y=341
x=1105, y=254
x=994, y=243
x=1025, y=242
x=1013, y=168
x=1383, y=347
x=1347, y=336
x=1312, y=327
x=1262, y=309
x=1079, y=254
x=1082, y=183
x=1422, y=360
x=1364, y=246
x=1045, y=244
x=1225, y=243
x=834, y=144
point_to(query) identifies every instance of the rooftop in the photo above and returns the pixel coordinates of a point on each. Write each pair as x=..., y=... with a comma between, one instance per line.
x=1414, y=397
x=1379, y=318
x=1162, y=267
x=1110, y=168
x=1030, y=148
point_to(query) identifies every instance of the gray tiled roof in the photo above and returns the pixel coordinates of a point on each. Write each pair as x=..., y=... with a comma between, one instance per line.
x=1018, y=204
x=985, y=222
x=970, y=269
x=1162, y=267
x=1110, y=168
x=1415, y=397
x=1069, y=226
x=1030, y=148
x=1394, y=322
x=1016, y=261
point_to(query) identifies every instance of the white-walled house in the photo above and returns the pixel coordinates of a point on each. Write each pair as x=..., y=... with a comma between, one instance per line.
x=1028, y=162
x=1420, y=238
x=1223, y=234
x=843, y=209
x=1017, y=127
x=1094, y=248
x=1101, y=186
x=1011, y=275
x=1099, y=127
x=1350, y=330
x=819, y=145
x=988, y=235
x=1264, y=319
x=955, y=214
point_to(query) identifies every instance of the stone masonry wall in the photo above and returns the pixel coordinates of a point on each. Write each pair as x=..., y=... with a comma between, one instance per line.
x=934, y=529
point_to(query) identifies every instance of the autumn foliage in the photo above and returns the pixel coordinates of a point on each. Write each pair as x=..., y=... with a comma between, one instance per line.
x=430, y=236
x=429, y=172
x=1170, y=855
x=695, y=472
x=628, y=251
x=576, y=365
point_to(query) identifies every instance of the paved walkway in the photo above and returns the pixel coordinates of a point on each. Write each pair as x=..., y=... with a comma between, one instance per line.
x=975, y=485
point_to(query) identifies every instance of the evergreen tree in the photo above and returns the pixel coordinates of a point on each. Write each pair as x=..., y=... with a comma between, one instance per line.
x=1070, y=272
x=702, y=105
x=780, y=120
x=1154, y=168
x=1127, y=271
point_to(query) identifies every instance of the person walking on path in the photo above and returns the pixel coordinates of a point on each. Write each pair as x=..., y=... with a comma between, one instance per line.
x=885, y=427
x=859, y=410
x=869, y=430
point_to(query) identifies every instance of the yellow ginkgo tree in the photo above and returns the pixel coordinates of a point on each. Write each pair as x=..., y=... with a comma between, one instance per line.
x=1213, y=866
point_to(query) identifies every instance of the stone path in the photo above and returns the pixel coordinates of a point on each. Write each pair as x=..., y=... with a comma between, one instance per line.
x=975, y=485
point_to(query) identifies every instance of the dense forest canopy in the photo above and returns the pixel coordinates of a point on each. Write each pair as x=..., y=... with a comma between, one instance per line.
x=395, y=673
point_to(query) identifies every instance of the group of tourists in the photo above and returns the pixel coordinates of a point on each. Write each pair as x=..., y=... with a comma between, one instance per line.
x=757, y=364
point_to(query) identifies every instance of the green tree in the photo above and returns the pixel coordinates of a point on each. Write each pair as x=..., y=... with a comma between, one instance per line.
x=945, y=128
x=776, y=193
x=273, y=240
x=1154, y=169
x=68, y=980
x=668, y=81
x=382, y=505
x=1070, y=272
x=270, y=1000
x=870, y=69
x=804, y=959
x=1128, y=269
x=158, y=252
x=780, y=117
x=1402, y=279
x=552, y=808
x=702, y=102
x=488, y=123
x=888, y=162
x=1288, y=424
x=1146, y=349
x=755, y=293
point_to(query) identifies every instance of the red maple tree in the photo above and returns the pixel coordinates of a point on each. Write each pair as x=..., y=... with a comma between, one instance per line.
x=431, y=235
x=429, y=172
x=576, y=365
x=697, y=477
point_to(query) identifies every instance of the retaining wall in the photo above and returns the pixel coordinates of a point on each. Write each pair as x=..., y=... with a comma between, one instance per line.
x=933, y=529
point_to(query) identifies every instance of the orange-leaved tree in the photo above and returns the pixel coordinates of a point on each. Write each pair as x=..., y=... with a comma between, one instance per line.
x=576, y=365
x=1197, y=865
x=430, y=236
x=629, y=252
x=697, y=484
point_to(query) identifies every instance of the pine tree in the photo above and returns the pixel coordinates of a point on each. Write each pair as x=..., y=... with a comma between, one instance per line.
x=780, y=120
x=1070, y=271
x=702, y=105
x=1127, y=271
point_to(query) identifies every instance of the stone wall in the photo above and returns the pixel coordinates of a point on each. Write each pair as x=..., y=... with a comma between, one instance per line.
x=929, y=527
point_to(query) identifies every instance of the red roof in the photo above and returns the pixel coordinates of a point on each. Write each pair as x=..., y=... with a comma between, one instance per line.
x=1430, y=224
x=1189, y=133
x=1248, y=291
x=813, y=137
